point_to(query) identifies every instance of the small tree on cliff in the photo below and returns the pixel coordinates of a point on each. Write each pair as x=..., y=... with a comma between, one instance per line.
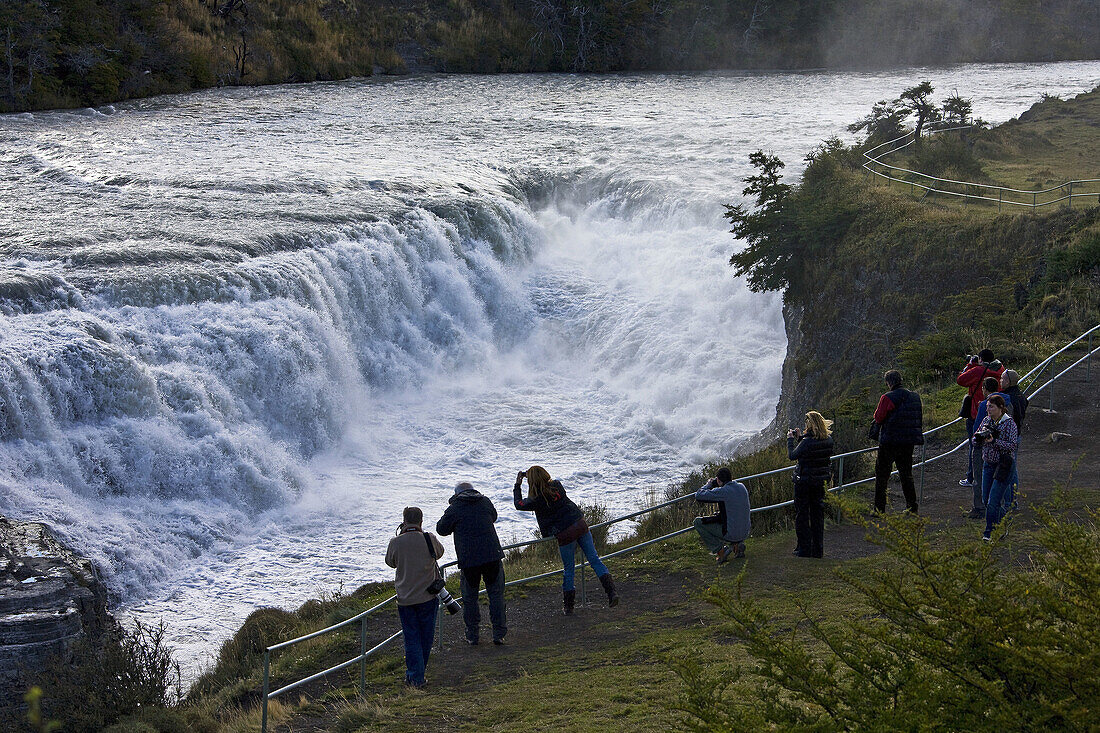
x=766, y=260
x=918, y=100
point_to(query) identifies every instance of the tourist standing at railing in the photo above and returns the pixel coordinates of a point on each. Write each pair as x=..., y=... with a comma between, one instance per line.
x=990, y=385
x=559, y=517
x=470, y=516
x=1010, y=388
x=724, y=533
x=999, y=440
x=977, y=368
x=813, y=450
x=413, y=553
x=898, y=428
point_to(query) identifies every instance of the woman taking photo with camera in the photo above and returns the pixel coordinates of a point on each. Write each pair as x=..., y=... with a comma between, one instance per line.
x=557, y=515
x=812, y=449
x=998, y=437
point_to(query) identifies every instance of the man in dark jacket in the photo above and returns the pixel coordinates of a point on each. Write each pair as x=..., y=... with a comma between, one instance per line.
x=470, y=516
x=899, y=419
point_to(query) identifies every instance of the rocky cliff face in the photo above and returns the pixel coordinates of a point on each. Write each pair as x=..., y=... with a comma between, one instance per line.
x=49, y=599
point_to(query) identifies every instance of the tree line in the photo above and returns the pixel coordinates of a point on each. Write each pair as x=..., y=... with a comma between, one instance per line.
x=58, y=53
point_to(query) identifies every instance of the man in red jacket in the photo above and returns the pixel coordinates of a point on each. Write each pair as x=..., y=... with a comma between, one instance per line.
x=977, y=369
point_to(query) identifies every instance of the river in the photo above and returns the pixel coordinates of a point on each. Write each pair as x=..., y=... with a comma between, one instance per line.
x=240, y=329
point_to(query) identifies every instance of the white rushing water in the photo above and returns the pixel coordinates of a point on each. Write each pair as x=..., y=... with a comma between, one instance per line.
x=241, y=329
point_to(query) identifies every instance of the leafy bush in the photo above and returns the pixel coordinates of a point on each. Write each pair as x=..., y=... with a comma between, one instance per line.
x=954, y=638
x=107, y=679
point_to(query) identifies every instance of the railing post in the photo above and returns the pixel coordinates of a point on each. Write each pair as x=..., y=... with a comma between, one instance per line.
x=1052, y=359
x=840, y=473
x=1069, y=200
x=584, y=586
x=363, y=654
x=439, y=611
x=923, y=455
x=999, y=194
x=267, y=682
x=1033, y=202
x=1088, y=361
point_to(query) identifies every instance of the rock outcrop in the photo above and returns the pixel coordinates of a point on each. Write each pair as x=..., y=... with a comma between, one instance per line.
x=50, y=598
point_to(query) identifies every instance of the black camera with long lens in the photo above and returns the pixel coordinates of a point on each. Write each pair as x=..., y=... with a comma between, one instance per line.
x=984, y=435
x=438, y=588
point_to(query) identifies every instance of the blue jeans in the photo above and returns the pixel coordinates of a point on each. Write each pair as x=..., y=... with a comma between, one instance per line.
x=418, y=625
x=996, y=493
x=588, y=547
x=1013, y=482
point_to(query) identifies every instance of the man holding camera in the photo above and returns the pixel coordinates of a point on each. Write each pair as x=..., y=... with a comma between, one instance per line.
x=414, y=553
x=732, y=522
x=898, y=427
x=470, y=516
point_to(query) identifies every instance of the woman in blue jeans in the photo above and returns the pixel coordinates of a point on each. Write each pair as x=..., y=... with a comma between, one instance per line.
x=999, y=439
x=557, y=515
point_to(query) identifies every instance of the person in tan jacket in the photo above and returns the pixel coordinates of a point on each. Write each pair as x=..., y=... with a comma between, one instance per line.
x=409, y=553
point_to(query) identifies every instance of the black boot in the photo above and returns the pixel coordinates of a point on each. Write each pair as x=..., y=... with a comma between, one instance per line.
x=568, y=598
x=609, y=586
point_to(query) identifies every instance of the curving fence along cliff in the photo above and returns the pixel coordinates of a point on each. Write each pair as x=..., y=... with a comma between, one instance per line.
x=1047, y=369
x=1086, y=190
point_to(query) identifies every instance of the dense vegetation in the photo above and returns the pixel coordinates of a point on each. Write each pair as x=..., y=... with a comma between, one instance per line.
x=953, y=637
x=89, y=52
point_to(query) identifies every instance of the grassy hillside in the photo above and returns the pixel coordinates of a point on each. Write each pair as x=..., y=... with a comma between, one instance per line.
x=58, y=53
x=878, y=276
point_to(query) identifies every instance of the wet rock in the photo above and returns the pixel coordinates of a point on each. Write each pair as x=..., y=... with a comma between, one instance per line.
x=50, y=598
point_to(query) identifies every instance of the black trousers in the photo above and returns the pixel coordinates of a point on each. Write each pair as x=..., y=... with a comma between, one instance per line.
x=809, y=518
x=888, y=457
x=493, y=573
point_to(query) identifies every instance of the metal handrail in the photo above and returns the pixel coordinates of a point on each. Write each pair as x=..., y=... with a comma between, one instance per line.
x=873, y=160
x=361, y=617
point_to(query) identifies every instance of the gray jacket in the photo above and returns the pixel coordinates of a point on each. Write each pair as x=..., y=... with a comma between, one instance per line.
x=733, y=499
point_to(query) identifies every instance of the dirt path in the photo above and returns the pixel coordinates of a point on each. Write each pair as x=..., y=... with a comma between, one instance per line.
x=537, y=628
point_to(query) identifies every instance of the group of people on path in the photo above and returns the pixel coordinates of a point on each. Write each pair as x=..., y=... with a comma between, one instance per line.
x=470, y=517
x=994, y=410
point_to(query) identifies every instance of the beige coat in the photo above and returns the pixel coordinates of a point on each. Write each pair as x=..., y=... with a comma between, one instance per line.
x=415, y=567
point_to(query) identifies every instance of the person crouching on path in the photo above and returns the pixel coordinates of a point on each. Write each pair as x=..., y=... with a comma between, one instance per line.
x=557, y=515
x=999, y=440
x=724, y=533
x=898, y=424
x=408, y=552
x=812, y=449
x=471, y=516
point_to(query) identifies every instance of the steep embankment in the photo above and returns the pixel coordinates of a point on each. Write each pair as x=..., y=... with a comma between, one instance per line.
x=880, y=279
x=64, y=53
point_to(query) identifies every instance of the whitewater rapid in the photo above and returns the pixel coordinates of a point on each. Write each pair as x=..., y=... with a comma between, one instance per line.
x=241, y=329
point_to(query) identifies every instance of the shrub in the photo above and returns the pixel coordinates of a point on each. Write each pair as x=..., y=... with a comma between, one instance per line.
x=955, y=638
x=106, y=679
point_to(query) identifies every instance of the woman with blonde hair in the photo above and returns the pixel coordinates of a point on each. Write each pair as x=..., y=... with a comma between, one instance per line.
x=813, y=449
x=557, y=515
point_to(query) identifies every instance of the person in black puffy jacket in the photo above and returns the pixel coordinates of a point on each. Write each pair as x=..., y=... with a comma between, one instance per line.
x=899, y=423
x=812, y=449
x=470, y=516
x=557, y=515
